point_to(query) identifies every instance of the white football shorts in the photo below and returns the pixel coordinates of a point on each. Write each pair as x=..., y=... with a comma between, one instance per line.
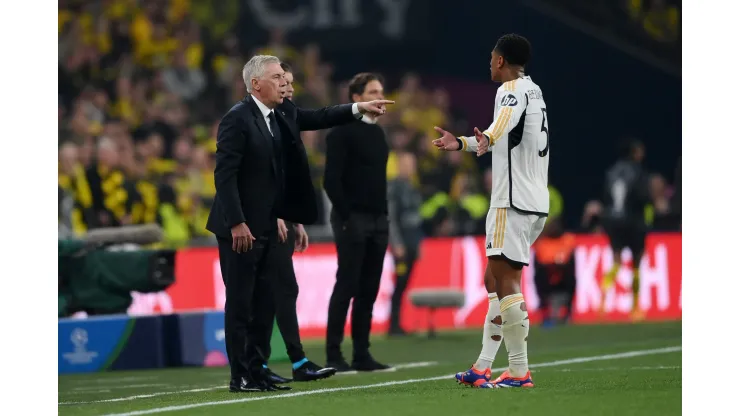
x=511, y=234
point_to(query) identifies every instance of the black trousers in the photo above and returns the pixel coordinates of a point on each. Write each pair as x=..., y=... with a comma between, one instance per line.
x=404, y=268
x=361, y=245
x=285, y=291
x=248, y=312
x=630, y=233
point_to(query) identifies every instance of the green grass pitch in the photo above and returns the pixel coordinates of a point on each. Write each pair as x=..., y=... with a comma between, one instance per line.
x=578, y=370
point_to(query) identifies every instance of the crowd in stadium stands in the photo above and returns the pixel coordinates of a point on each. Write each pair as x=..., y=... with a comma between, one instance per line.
x=142, y=87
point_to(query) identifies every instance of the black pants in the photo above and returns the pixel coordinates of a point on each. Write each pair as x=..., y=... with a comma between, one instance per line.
x=630, y=233
x=248, y=313
x=285, y=290
x=404, y=267
x=361, y=245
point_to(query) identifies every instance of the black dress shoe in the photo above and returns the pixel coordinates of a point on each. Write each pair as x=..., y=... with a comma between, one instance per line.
x=340, y=365
x=244, y=385
x=275, y=378
x=261, y=376
x=369, y=364
x=310, y=371
x=278, y=387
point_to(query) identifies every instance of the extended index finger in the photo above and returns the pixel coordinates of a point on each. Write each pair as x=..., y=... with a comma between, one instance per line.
x=384, y=102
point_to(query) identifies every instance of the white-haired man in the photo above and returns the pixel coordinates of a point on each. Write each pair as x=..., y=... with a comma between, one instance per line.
x=261, y=174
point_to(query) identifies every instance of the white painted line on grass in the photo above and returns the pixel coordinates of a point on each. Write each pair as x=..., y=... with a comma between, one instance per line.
x=147, y=396
x=419, y=364
x=116, y=387
x=579, y=360
x=395, y=367
x=116, y=380
x=644, y=368
x=219, y=386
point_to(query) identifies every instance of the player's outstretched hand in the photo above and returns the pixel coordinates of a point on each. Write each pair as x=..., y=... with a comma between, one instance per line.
x=447, y=141
x=374, y=108
x=482, y=141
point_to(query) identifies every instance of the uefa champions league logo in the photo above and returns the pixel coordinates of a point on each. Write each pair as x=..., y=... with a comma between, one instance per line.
x=220, y=335
x=80, y=355
x=79, y=338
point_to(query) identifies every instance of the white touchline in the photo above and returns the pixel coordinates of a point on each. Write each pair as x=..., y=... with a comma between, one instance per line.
x=622, y=355
x=415, y=365
x=642, y=368
x=116, y=387
x=214, y=387
x=395, y=367
x=117, y=380
x=146, y=396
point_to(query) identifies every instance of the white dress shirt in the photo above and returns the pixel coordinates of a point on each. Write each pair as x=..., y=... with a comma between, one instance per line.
x=266, y=111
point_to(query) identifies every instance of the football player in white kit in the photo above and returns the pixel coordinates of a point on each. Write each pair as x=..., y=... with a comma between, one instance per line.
x=519, y=142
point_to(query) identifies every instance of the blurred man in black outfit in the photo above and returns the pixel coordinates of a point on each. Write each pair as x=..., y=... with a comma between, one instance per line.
x=404, y=203
x=261, y=174
x=292, y=237
x=355, y=181
x=626, y=193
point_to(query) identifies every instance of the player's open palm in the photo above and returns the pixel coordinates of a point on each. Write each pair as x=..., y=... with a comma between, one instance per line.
x=447, y=141
x=482, y=141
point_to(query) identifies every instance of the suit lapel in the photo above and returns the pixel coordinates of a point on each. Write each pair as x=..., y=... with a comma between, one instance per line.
x=259, y=120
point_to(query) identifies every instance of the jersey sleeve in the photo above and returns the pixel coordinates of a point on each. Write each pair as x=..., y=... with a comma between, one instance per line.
x=469, y=144
x=511, y=106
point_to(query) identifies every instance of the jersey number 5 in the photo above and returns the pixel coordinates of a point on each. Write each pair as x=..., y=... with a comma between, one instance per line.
x=545, y=124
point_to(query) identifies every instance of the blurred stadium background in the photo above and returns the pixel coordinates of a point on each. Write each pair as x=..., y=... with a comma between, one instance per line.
x=143, y=83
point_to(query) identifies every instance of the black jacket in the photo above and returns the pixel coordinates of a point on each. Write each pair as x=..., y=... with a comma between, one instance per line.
x=626, y=192
x=246, y=167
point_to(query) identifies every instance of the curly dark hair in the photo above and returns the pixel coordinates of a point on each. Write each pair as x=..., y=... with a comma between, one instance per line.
x=515, y=49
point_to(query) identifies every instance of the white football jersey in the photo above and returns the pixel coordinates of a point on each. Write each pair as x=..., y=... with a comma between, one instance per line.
x=519, y=142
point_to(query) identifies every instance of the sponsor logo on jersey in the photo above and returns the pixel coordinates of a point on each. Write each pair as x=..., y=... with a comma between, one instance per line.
x=509, y=101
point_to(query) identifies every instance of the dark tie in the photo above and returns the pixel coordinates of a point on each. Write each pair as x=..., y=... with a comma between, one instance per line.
x=277, y=146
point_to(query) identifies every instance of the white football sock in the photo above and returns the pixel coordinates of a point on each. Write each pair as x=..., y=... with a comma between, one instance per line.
x=492, y=334
x=515, y=330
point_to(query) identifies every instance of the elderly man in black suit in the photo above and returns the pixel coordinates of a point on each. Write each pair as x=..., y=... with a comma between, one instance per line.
x=262, y=174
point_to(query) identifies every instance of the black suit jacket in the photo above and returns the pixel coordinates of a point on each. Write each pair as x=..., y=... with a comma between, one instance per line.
x=246, y=167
